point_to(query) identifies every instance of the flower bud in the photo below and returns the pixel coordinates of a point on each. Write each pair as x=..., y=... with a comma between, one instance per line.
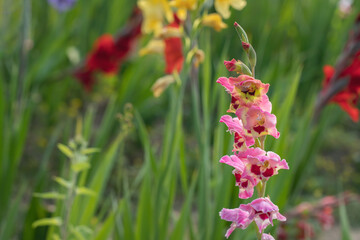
x=161, y=84
x=238, y=67
x=241, y=32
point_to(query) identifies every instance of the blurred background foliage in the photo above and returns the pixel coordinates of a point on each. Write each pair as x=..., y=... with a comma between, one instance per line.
x=161, y=179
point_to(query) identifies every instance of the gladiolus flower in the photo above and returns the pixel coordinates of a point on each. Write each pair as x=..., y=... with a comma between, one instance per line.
x=347, y=98
x=242, y=139
x=258, y=122
x=154, y=12
x=261, y=210
x=173, y=50
x=223, y=6
x=246, y=91
x=265, y=166
x=240, y=217
x=243, y=177
x=102, y=57
x=265, y=212
x=213, y=20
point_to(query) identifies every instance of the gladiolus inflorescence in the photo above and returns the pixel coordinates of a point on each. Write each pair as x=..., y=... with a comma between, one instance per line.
x=253, y=166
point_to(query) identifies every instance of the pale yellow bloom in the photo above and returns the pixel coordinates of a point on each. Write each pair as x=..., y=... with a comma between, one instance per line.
x=154, y=12
x=213, y=20
x=155, y=46
x=183, y=6
x=223, y=6
x=161, y=84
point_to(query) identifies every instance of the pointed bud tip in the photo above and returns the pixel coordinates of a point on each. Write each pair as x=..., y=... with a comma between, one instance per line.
x=236, y=24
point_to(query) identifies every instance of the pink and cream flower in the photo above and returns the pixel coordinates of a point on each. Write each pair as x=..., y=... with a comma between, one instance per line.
x=261, y=210
x=258, y=122
x=265, y=166
x=240, y=217
x=246, y=91
x=242, y=139
x=265, y=212
x=243, y=180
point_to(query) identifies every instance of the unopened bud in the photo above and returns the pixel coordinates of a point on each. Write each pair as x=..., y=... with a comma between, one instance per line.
x=241, y=32
x=161, y=84
x=237, y=66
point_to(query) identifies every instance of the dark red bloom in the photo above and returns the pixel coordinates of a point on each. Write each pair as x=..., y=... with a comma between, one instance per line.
x=174, y=58
x=103, y=57
x=108, y=53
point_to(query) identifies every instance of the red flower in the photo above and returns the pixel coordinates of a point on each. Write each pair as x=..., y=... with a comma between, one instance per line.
x=342, y=83
x=108, y=54
x=347, y=98
x=102, y=57
x=173, y=50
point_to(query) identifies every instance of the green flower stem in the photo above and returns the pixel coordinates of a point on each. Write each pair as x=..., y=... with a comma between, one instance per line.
x=258, y=234
x=68, y=205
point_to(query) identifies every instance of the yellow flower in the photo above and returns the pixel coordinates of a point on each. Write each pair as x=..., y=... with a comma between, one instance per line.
x=223, y=6
x=213, y=20
x=183, y=6
x=154, y=46
x=154, y=12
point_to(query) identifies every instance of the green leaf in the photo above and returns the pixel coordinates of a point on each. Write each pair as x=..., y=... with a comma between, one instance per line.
x=62, y=182
x=65, y=150
x=80, y=166
x=49, y=195
x=345, y=226
x=90, y=150
x=55, y=221
x=85, y=191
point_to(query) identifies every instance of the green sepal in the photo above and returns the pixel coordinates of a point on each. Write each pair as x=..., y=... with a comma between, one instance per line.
x=55, y=221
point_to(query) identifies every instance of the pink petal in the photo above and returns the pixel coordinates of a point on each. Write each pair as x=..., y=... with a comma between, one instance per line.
x=266, y=236
x=225, y=82
x=264, y=205
x=233, y=161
